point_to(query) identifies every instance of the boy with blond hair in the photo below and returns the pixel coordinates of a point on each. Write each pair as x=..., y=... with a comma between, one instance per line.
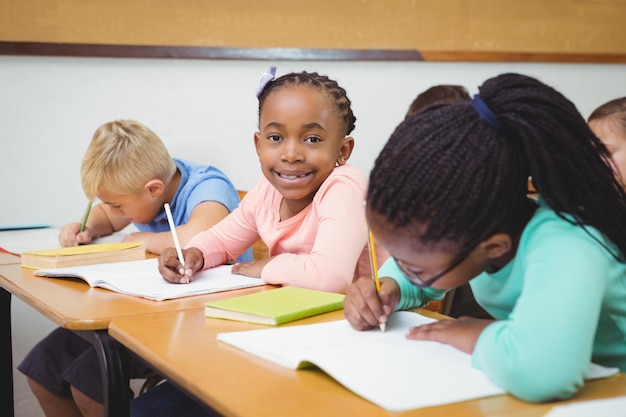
x=127, y=168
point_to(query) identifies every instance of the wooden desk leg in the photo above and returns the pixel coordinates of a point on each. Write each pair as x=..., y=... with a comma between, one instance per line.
x=6, y=355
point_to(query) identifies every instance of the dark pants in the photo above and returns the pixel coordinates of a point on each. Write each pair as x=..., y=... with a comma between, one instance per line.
x=165, y=400
x=63, y=359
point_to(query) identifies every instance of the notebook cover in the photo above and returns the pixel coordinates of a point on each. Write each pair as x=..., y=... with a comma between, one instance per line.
x=275, y=307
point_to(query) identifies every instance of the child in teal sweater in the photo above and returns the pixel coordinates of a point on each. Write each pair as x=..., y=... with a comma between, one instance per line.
x=448, y=199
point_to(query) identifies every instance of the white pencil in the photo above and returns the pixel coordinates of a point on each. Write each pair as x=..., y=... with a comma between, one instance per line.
x=170, y=220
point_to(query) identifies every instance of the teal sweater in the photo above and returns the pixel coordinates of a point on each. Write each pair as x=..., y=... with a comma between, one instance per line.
x=559, y=304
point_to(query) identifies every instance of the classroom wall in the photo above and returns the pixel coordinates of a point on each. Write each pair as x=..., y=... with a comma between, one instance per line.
x=206, y=111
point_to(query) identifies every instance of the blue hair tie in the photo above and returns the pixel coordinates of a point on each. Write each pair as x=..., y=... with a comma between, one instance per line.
x=267, y=76
x=485, y=113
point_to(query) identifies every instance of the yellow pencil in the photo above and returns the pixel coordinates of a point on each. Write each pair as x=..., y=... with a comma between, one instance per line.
x=374, y=265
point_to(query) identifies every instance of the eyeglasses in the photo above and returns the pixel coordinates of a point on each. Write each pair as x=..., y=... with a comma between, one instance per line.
x=414, y=277
x=419, y=282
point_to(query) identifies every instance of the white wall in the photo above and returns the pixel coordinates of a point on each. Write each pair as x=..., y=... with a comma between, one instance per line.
x=206, y=111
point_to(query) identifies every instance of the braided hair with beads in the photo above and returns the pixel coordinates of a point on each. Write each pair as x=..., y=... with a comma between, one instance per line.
x=458, y=173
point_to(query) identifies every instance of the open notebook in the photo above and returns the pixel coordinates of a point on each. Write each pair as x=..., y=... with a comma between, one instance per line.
x=385, y=368
x=142, y=279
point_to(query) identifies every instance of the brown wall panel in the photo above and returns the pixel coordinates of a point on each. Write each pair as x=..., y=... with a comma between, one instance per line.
x=446, y=28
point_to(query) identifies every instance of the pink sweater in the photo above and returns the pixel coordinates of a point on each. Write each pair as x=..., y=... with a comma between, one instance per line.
x=323, y=247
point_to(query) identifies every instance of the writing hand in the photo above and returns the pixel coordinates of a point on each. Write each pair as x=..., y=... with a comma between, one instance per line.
x=364, y=307
x=70, y=235
x=171, y=269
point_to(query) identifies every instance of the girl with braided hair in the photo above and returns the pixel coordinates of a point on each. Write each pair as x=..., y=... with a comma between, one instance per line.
x=448, y=199
x=307, y=208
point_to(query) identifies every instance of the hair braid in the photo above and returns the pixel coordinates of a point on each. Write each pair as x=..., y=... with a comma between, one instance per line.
x=449, y=170
x=570, y=166
x=322, y=83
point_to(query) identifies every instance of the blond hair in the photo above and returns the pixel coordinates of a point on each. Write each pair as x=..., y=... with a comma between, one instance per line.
x=123, y=155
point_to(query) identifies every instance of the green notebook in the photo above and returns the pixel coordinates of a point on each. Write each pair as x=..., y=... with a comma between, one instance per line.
x=275, y=307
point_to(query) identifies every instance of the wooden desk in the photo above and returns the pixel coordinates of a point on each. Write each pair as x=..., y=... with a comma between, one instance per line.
x=72, y=304
x=183, y=347
x=9, y=259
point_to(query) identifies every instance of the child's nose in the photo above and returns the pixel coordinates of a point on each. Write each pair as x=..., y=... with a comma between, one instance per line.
x=292, y=151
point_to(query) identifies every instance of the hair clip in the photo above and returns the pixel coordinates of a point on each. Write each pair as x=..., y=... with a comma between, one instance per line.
x=267, y=76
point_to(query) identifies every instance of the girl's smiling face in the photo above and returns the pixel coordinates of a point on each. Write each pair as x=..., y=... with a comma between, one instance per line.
x=299, y=143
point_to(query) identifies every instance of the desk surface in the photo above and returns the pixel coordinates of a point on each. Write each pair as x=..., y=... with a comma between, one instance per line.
x=183, y=346
x=9, y=259
x=72, y=304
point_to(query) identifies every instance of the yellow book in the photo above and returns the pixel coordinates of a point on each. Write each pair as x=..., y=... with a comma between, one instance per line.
x=96, y=253
x=275, y=307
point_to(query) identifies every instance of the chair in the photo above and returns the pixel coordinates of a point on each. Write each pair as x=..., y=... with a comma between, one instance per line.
x=442, y=306
x=151, y=381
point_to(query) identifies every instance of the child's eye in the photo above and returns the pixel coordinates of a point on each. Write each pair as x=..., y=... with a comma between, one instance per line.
x=313, y=139
x=274, y=138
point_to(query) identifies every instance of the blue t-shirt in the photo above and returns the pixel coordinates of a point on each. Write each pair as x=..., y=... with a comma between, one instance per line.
x=559, y=304
x=198, y=183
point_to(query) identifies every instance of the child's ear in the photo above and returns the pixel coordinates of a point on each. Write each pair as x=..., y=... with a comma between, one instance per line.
x=497, y=245
x=345, y=150
x=257, y=139
x=154, y=187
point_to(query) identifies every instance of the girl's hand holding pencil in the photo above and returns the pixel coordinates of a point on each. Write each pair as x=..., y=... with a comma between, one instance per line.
x=173, y=266
x=374, y=265
x=173, y=270
x=364, y=307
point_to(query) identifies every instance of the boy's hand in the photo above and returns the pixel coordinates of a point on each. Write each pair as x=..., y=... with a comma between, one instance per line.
x=138, y=236
x=171, y=269
x=71, y=235
x=364, y=308
x=145, y=237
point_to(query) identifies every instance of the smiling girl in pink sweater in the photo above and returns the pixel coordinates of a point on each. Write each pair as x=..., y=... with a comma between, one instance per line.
x=308, y=207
